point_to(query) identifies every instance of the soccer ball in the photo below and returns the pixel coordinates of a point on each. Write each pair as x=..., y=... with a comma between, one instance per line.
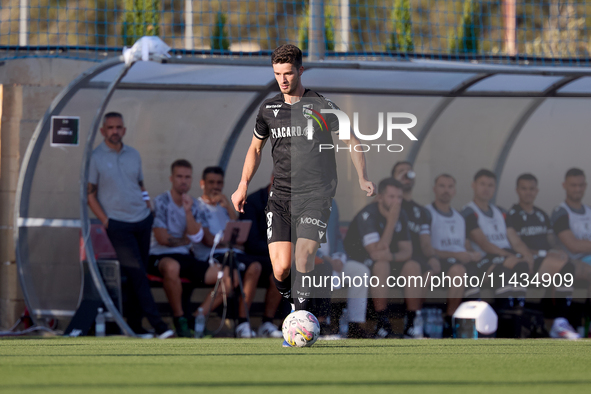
x=301, y=328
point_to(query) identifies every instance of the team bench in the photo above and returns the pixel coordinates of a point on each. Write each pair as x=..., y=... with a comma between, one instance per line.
x=194, y=295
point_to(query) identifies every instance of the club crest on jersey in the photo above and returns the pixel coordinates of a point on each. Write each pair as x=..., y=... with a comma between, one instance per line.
x=307, y=110
x=540, y=216
x=417, y=212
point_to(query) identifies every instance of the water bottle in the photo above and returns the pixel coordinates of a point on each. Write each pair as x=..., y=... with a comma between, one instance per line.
x=199, y=323
x=438, y=330
x=418, y=325
x=99, y=328
x=429, y=323
x=344, y=323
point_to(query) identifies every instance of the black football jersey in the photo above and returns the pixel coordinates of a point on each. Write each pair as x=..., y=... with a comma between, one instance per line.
x=533, y=228
x=419, y=222
x=367, y=227
x=300, y=167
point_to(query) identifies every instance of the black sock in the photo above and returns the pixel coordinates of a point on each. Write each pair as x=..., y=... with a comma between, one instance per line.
x=283, y=286
x=448, y=321
x=241, y=320
x=302, y=291
x=175, y=320
x=410, y=319
x=383, y=319
x=267, y=319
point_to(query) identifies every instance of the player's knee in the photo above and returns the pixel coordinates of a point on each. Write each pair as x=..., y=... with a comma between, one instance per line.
x=381, y=269
x=568, y=268
x=411, y=267
x=281, y=272
x=456, y=270
x=254, y=269
x=169, y=268
x=521, y=268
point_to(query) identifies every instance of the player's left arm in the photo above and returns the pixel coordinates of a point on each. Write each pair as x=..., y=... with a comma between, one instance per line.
x=520, y=247
x=358, y=159
x=145, y=195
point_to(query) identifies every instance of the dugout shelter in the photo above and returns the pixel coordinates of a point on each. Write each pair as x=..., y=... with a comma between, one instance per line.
x=511, y=119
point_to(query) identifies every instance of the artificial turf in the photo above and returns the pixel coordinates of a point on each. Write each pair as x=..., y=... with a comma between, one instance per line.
x=116, y=364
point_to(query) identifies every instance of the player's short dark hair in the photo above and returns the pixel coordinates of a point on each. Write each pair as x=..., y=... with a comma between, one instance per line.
x=384, y=183
x=399, y=163
x=574, y=172
x=180, y=163
x=110, y=115
x=287, y=53
x=486, y=173
x=445, y=175
x=526, y=177
x=212, y=170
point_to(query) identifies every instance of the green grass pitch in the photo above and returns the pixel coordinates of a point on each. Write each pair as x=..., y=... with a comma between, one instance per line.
x=122, y=365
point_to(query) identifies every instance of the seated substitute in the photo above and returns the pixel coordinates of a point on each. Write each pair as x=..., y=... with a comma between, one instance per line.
x=534, y=228
x=450, y=244
x=378, y=237
x=215, y=211
x=571, y=222
x=506, y=254
x=256, y=246
x=175, y=229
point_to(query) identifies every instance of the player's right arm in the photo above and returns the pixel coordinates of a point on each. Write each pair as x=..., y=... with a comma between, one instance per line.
x=561, y=226
x=480, y=239
x=574, y=245
x=476, y=235
x=159, y=227
x=251, y=164
x=95, y=206
x=92, y=193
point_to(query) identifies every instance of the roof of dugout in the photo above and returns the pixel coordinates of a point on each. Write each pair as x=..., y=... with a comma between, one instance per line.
x=511, y=119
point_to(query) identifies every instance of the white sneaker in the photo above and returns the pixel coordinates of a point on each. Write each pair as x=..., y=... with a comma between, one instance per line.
x=243, y=330
x=562, y=329
x=166, y=334
x=269, y=330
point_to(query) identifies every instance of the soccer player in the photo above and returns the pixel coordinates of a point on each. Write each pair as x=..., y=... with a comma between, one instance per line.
x=171, y=257
x=305, y=176
x=378, y=237
x=505, y=252
x=534, y=228
x=449, y=242
x=215, y=211
x=571, y=221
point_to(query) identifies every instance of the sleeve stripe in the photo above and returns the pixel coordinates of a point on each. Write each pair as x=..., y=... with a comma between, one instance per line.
x=260, y=137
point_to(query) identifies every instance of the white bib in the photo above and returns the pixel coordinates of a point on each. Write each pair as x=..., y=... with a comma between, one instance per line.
x=448, y=233
x=494, y=228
